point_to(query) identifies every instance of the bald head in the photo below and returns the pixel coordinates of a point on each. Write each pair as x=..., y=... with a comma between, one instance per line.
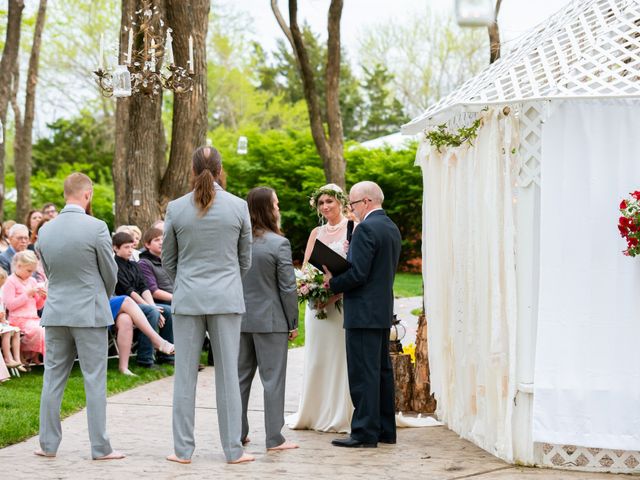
x=369, y=190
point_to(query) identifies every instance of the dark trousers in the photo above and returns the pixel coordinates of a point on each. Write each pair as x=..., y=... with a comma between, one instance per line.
x=371, y=384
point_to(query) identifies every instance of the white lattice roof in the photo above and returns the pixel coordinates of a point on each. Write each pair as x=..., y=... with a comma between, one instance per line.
x=589, y=49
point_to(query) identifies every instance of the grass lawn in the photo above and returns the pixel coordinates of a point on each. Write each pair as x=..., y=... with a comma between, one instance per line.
x=406, y=285
x=20, y=397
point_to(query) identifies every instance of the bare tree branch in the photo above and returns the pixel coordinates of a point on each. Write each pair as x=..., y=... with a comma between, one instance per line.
x=281, y=22
x=494, y=35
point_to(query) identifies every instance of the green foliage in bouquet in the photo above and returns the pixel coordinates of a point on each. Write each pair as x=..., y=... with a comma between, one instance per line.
x=629, y=223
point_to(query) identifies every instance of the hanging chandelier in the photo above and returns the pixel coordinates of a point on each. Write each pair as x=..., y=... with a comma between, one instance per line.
x=141, y=73
x=475, y=13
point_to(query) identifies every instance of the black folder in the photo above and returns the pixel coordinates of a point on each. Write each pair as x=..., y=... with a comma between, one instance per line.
x=323, y=255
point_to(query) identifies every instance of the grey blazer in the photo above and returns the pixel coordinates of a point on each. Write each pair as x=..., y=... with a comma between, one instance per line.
x=75, y=250
x=207, y=256
x=270, y=287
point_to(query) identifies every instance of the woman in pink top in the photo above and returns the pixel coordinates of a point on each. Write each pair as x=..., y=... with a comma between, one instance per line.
x=23, y=297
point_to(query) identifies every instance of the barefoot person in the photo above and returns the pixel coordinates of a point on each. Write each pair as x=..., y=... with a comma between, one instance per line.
x=272, y=316
x=76, y=254
x=206, y=250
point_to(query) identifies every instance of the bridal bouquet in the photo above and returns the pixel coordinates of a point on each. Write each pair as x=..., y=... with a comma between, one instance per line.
x=629, y=223
x=311, y=288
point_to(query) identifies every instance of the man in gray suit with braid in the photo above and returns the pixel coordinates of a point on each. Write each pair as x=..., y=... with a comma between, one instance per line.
x=207, y=249
x=75, y=250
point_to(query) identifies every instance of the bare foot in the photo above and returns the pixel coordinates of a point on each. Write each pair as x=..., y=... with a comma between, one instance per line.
x=283, y=446
x=174, y=458
x=40, y=453
x=243, y=459
x=112, y=456
x=245, y=441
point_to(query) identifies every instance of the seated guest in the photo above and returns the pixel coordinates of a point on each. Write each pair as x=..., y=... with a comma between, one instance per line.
x=136, y=235
x=131, y=283
x=18, y=242
x=23, y=297
x=127, y=314
x=9, y=336
x=158, y=280
x=4, y=234
x=49, y=211
x=33, y=219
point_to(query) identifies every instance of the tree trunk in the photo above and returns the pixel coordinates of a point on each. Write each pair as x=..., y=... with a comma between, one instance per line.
x=24, y=135
x=190, y=108
x=330, y=148
x=403, y=377
x=494, y=36
x=423, y=400
x=8, y=64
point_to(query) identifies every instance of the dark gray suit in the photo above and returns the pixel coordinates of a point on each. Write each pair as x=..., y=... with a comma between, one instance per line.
x=76, y=253
x=207, y=257
x=272, y=311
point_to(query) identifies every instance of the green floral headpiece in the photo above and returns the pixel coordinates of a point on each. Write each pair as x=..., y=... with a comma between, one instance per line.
x=330, y=189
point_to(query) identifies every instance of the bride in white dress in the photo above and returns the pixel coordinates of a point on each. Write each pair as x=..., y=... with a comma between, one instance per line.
x=325, y=402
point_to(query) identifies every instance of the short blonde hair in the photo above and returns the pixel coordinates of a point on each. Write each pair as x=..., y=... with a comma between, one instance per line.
x=26, y=257
x=76, y=184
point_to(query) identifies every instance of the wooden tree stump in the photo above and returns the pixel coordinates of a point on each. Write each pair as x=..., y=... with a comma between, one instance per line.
x=403, y=376
x=422, y=399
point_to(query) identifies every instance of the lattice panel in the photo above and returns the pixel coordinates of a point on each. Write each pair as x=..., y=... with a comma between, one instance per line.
x=530, y=149
x=588, y=459
x=591, y=48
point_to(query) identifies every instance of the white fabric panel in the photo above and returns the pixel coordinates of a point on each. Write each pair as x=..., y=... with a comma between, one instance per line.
x=469, y=274
x=587, y=372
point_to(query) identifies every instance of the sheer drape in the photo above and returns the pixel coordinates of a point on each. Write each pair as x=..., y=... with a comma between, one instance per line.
x=587, y=371
x=470, y=289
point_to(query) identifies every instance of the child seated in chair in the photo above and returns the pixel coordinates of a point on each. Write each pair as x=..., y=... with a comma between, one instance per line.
x=9, y=336
x=23, y=297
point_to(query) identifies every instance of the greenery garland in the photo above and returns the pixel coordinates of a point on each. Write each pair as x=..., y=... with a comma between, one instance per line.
x=331, y=190
x=442, y=137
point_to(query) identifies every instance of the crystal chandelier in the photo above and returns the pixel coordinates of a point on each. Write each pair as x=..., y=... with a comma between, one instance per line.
x=475, y=13
x=146, y=47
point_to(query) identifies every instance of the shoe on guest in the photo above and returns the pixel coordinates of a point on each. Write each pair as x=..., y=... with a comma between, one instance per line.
x=128, y=373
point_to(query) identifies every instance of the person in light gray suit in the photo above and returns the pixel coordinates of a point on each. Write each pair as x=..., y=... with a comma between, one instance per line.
x=75, y=250
x=206, y=249
x=271, y=318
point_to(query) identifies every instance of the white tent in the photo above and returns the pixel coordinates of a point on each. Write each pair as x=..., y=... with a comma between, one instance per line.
x=534, y=313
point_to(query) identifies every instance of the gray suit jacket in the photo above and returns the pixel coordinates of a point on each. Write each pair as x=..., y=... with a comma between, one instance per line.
x=207, y=256
x=270, y=287
x=75, y=250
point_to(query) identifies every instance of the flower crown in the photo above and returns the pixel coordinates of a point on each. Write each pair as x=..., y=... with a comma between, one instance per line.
x=330, y=189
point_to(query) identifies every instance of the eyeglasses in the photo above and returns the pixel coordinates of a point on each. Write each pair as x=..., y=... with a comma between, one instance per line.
x=52, y=210
x=351, y=204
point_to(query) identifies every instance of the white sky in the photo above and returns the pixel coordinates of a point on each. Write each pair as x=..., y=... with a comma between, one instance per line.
x=516, y=16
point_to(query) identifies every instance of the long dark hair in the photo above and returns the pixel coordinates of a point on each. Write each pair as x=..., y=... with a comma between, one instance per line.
x=207, y=163
x=263, y=215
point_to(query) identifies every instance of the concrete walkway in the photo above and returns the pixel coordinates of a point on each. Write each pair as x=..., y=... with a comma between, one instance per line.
x=139, y=424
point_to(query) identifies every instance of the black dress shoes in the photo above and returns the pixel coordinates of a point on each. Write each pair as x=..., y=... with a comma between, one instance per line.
x=352, y=443
x=390, y=441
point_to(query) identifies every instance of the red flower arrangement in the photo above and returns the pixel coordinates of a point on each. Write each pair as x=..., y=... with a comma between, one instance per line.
x=629, y=223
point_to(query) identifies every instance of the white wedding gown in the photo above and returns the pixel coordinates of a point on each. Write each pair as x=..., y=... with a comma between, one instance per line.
x=325, y=402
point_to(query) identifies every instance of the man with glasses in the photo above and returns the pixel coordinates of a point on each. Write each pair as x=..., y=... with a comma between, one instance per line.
x=18, y=242
x=368, y=310
x=49, y=211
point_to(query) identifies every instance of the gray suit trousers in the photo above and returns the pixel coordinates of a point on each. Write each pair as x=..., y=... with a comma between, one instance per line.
x=62, y=343
x=268, y=353
x=188, y=333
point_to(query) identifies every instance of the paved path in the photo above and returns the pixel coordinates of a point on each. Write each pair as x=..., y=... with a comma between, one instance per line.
x=140, y=425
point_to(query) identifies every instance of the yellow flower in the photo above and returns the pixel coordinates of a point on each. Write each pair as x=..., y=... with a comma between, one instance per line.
x=410, y=350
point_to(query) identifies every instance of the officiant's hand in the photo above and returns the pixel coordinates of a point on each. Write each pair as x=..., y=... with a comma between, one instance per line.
x=293, y=334
x=327, y=276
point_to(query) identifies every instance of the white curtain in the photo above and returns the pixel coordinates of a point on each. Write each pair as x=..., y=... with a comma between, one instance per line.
x=469, y=274
x=587, y=372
